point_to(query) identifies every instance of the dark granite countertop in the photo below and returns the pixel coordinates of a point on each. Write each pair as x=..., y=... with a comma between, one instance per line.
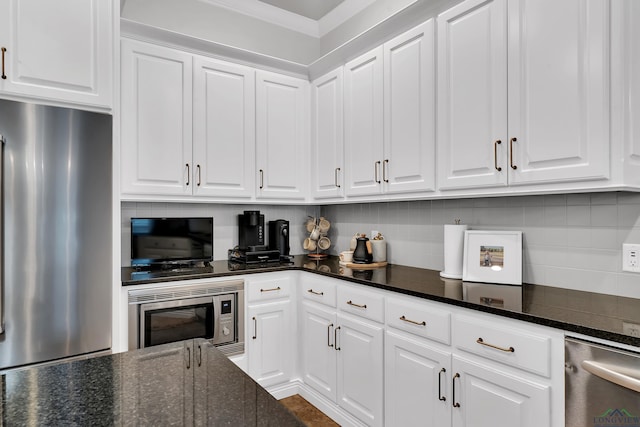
x=183, y=383
x=587, y=313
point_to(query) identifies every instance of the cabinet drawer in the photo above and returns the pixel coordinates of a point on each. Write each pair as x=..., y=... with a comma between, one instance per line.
x=269, y=289
x=508, y=345
x=424, y=320
x=320, y=290
x=361, y=303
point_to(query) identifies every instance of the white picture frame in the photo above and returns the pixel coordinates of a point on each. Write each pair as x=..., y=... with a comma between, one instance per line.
x=492, y=256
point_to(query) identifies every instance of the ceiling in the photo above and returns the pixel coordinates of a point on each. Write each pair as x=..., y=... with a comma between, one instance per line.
x=312, y=9
x=312, y=17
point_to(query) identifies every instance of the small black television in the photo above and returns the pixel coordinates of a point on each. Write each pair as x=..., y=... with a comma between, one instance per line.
x=161, y=241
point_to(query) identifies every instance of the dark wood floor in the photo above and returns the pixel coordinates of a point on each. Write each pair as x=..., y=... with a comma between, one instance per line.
x=308, y=413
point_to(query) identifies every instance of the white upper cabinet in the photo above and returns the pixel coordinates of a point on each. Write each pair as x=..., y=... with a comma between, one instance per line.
x=390, y=116
x=409, y=111
x=558, y=90
x=58, y=50
x=327, y=136
x=523, y=92
x=282, y=105
x=472, y=95
x=363, y=111
x=156, y=148
x=223, y=129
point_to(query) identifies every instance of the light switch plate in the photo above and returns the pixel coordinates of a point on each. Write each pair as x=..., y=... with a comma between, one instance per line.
x=631, y=257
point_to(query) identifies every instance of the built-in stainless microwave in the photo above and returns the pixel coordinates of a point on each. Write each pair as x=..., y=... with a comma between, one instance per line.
x=214, y=311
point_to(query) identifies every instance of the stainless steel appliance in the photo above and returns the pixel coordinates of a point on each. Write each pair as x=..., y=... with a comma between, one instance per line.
x=214, y=311
x=602, y=385
x=55, y=296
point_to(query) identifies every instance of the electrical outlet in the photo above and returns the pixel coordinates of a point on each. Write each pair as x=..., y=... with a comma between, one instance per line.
x=632, y=329
x=631, y=257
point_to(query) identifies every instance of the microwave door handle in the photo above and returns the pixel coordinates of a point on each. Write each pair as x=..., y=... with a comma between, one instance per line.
x=624, y=377
x=2, y=141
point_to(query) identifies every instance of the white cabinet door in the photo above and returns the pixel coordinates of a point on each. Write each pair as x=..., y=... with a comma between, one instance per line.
x=270, y=343
x=485, y=397
x=281, y=136
x=363, y=124
x=58, y=50
x=409, y=111
x=472, y=95
x=223, y=129
x=327, y=139
x=559, y=90
x=359, y=344
x=319, y=361
x=417, y=383
x=156, y=119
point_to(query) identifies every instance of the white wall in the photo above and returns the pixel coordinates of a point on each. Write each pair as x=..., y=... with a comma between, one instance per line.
x=570, y=241
x=225, y=222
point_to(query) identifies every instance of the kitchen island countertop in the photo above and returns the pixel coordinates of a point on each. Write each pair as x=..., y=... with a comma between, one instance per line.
x=592, y=314
x=182, y=383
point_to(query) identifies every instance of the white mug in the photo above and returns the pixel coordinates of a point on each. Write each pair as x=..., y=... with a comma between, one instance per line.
x=315, y=234
x=324, y=243
x=346, y=256
x=309, y=244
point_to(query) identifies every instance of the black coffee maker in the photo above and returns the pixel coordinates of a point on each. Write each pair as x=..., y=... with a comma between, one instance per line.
x=279, y=237
x=251, y=231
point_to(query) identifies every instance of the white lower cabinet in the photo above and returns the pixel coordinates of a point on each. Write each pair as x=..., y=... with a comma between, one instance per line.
x=271, y=330
x=417, y=382
x=373, y=357
x=359, y=344
x=486, y=397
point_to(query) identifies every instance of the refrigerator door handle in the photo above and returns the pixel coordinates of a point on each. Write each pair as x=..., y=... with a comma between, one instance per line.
x=1, y=235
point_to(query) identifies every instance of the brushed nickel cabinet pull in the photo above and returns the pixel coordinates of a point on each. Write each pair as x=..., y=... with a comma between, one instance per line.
x=453, y=390
x=271, y=290
x=261, y=179
x=511, y=141
x=440, y=396
x=199, y=175
x=506, y=350
x=188, y=174
x=4, y=76
x=384, y=170
x=495, y=155
x=311, y=291
x=376, y=170
x=335, y=339
x=255, y=328
x=329, y=335
x=356, y=305
x=336, y=177
x=404, y=319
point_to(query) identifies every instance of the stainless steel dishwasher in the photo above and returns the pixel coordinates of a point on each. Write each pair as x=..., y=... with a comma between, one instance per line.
x=602, y=386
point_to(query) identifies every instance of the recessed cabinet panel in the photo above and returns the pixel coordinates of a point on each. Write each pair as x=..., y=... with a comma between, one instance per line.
x=409, y=115
x=632, y=137
x=488, y=398
x=472, y=98
x=58, y=50
x=156, y=120
x=224, y=129
x=363, y=124
x=327, y=135
x=417, y=383
x=281, y=141
x=559, y=89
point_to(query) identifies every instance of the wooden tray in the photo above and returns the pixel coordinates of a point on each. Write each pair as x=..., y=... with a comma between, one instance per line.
x=371, y=266
x=318, y=256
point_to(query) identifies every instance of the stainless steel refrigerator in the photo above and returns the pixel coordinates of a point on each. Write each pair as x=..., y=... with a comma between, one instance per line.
x=55, y=299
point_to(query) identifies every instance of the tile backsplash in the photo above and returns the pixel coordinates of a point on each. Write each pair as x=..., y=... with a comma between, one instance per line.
x=570, y=241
